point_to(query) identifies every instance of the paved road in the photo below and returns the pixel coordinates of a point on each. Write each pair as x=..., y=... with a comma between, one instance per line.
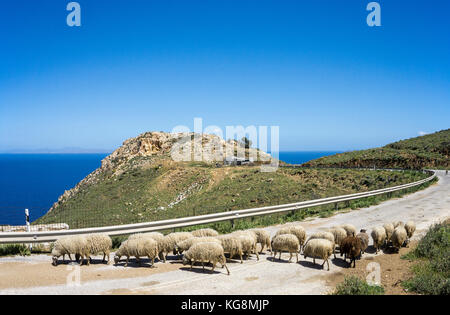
x=253, y=277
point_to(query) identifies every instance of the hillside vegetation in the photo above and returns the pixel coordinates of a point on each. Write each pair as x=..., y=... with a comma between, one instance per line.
x=136, y=185
x=429, y=151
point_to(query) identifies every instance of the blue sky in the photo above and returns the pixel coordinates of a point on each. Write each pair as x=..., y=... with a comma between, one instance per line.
x=314, y=68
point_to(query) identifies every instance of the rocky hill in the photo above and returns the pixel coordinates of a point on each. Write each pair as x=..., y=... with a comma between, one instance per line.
x=429, y=151
x=153, y=149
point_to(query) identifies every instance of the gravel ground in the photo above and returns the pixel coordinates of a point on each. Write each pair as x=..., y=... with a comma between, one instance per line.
x=35, y=275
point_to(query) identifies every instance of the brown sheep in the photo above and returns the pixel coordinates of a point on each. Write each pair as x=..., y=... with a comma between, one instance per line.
x=351, y=247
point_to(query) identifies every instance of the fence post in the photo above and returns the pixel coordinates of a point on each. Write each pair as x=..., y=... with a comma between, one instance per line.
x=27, y=220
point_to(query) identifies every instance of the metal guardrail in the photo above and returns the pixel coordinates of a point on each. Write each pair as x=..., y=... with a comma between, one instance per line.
x=50, y=236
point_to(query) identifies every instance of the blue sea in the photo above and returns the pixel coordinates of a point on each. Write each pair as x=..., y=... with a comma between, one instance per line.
x=35, y=181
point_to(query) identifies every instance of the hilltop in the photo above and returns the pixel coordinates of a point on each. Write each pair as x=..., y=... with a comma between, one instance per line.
x=141, y=182
x=429, y=151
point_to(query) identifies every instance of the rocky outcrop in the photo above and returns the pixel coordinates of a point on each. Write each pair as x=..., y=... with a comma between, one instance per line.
x=158, y=146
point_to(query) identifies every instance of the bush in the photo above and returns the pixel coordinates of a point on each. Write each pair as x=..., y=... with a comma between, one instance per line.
x=432, y=274
x=14, y=249
x=355, y=286
x=117, y=240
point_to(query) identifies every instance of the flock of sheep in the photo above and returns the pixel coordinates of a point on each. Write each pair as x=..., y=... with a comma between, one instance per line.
x=207, y=246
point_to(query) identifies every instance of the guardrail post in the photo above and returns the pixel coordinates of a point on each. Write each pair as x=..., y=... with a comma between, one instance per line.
x=232, y=223
x=336, y=207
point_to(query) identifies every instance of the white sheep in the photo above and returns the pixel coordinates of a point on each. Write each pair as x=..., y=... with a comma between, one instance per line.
x=159, y=238
x=350, y=229
x=76, y=245
x=285, y=242
x=171, y=240
x=138, y=247
x=399, y=237
x=339, y=235
x=364, y=238
x=186, y=244
x=231, y=245
x=205, y=232
x=263, y=238
x=99, y=243
x=296, y=230
x=326, y=236
x=397, y=224
x=248, y=241
x=410, y=228
x=389, y=228
x=205, y=252
x=319, y=248
x=379, y=237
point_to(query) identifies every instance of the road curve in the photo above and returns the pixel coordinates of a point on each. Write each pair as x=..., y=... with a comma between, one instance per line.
x=253, y=277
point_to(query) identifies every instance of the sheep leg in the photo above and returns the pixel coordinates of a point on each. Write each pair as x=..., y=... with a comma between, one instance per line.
x=328, y=264
x=126, y=262
x=213, y=266
x=279, y=257
x=228, y=271
x=153, y=262
x=314, y=261
x=296, y=254
x=334, y=252
x=257, y=256
x=203, y=265
x=290, y=257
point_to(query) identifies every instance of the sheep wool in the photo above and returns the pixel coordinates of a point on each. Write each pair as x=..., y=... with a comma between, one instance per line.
x=326, y=236
x=410, y=228
x=248, y=241
x=379, y=236
x=319, y=249
x=99, y=243
x=399, y=237
x=77, y=245
x=138, y=247
x=159, y=238
x=351, y=247
x=186, y=244
x=339, y=234
x=364, y=238
x=231, y=245
x=296, y=230
x=263, y=238
x=171, y=240
x=389, y=228
x=205, y=233
x=350, y=229
x=285, y=242
x=209, y=252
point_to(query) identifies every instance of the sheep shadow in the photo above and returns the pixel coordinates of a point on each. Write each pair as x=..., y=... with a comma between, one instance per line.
x=133, y=263
x=371, y=250
x=197, y=268
x=310, y=264
x=282, y=260
x=340, y=262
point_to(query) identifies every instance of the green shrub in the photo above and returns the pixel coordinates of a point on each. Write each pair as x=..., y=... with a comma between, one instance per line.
x=117, y=240
x=432, y=273
x=14, y=249
x=355, y=286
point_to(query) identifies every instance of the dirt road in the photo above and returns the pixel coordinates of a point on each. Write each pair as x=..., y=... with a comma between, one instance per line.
x=35, y=275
